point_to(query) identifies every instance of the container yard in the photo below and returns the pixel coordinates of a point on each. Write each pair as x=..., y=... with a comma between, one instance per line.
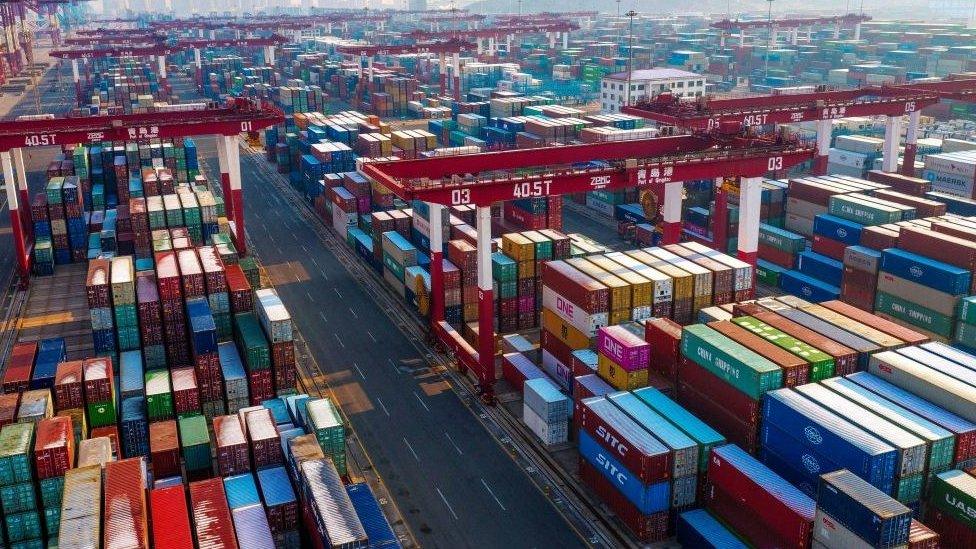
x=292, y=276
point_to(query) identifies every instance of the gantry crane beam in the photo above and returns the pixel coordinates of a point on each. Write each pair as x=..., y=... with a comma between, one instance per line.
x=115, y=39
x=371, y=50
x=781, y=109
x=168, y=49
x=960, y=88
x=448, y=17
x=494, y=32
x=790, y=23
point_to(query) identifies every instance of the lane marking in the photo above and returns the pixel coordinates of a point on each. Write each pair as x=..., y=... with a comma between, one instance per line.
x=385, y=411
x=354, y=315
x=309, y=296
x=415, y=456
x=304, y=249
x=336, y=290
x=395, y=367
x=325, y=275
x=444, y=499
x=339, y=340
x=498, y=501
x=454, y=444
x=422, y=403
x=316, y=263
x=293, y=235
x=371, y=336
x=322, y=314
x=361, y=374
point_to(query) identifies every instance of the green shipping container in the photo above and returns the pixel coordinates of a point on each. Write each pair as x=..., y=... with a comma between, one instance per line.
x=503, y=268
x=862, y=211
x=781, y=239
x=821, y=364
x=51, y=491
x=966, y=334
x=745, y=370
x=23, y=526
x=768, y=276
x=329, y=430
x=159, y=395
x=914, y=314
x=17, y=498
x=102, y=414
x=52, y=519
x=967, y=310
x=955, y=493
x=16, y=442
x=195, y=441
x=251, y=340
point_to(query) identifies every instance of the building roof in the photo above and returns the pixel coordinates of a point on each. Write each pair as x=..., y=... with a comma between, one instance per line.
x=654, y=74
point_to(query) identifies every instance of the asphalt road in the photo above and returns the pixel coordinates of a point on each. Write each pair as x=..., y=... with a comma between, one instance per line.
x=455, y=486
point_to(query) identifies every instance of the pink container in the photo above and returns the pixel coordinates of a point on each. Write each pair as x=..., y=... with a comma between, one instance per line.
x=626, y=349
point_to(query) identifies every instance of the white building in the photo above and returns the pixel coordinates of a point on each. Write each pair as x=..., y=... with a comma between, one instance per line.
x=648, y=83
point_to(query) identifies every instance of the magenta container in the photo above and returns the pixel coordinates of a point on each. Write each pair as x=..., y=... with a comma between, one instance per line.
x=629, y=351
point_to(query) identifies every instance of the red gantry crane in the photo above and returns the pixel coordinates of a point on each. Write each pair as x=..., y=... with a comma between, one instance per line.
x=226, y=122
x=659, y=164
x=453, y=46
x=794, y=25
x=552, y=31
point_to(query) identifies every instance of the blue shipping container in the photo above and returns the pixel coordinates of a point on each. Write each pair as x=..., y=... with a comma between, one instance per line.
x=371, y=515
x=871, y=515
x=50, y=352
x=648, y=498
x=836, y=228
x=699, y=529
x=241, y=490
x=807, y=287
x=821, y=267
x=927, y=272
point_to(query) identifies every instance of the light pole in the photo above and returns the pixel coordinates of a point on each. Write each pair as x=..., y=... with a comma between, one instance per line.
x=630, y=52
x=769, y=41
x=618, y=8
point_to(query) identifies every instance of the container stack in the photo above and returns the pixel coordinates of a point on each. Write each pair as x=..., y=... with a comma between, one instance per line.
x=860, y=280
x=725, y=381
x=124, y=303
x=759, y=505
x=851, y=512
x=329, y=513
x=206, y=360
x=98, y=292
x=624, y=357
x=256, y=356
x=504, y=275
x=100, y=394
x=545, y=411
x=81, y=518
x=215, y=282
x=398, y=255
x=281, y=504
x=277, y=325
x=464, y=256
x=574, y=300
x=125, y=510
x=952, y=496
x=195, y=445
x=326, y=424
x=22, y=514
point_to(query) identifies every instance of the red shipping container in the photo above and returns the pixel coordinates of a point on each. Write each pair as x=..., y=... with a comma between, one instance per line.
x=283, y=353
x=265, y=444
x=126, y=521
x=921, y=536
x=729, y=508
x=260, y=386
x=829, y=247
x=97, y=284
x=149, y=309
x=879, y=237
x=285, y=377
x=20, y=367
x=951, y=227
x=550, y=342
x=845, y=358
x=758, y=507
x=168, y=277
x=211, y=515
x=239, y=288
x=68, y=388
x=213, y=270
x=112, y=433
x=776, y=256
x=646, y=528
x=186, y=396
x=191, y=273
x=923, y=207
x=8, y=407
x=577, y=287
x=664, y=335
x=233, y=455
x=736, y=402
x=941, y=247
x=170, y=518
x=99, y=380
x=952, y=533
x=647, y=467
x=164, y=449
x=728, y=424
x=54, y=447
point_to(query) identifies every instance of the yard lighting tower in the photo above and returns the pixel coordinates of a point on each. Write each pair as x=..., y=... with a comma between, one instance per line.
x=630, y=52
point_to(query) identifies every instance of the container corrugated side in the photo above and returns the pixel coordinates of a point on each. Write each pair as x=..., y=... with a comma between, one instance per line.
x=125, y=513
x=742, y=368
x=870, y=513
x=337, y=523
x=948, y=392
x=171, y=518
x=81, y=521
x=241, y=490
x=371, y=515
x=700, y=529
x=706, y=437
x=648, y=498
x=251, y=527
x=612, y=428
x=211, y=516
x=941, y=442
x=683, y=449
x=826, y=432
x=940, y=364
x=955, y=493
x=963, y=429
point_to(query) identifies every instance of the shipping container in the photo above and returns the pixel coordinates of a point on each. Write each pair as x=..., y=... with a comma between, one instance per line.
x=124, y=508
x=950, y=393
x=370, y=514
x=211, y=516
x=170, y=518
x=698, y=528
x=868, y=512
x=648, y=498
x=742, y=368
x=640, y=452
x=81, y=520
x=336, y=524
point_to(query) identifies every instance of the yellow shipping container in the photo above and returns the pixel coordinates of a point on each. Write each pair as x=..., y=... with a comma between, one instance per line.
x=642, y=290
x=621, y=379
x=683, y=281
x=565, y=332
x=518, y=247
x=619, y=290
x=527, y=269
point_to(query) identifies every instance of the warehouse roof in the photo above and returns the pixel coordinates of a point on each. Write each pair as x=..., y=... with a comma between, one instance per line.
x=654, y=74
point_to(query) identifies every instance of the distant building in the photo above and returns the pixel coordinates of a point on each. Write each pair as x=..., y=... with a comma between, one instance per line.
x=648, y=83
x=417, y=5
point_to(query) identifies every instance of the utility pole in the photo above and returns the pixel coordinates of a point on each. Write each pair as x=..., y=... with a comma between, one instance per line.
x=630, y=52
x=618, y=8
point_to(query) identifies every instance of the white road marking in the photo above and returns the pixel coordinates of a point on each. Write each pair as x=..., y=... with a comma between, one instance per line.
x=449, y=508
x=422, y=403
x=454, y=444
x=337, y=292
x=309, y=296
x=361, y=374
x=322, y=314
x=415, y=456
x=304, y=249
x=371, y=336
x=385, y=411
x=339, y=340
x=316, y=263
x=485, y=484
x=395, y=367
x=354, y=315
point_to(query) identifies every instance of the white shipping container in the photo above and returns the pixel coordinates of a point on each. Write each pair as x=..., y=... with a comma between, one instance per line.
x=273, y=315
x=252, y=528
x=851, y=159
x=831, y=533
x=957, y=145
x=548, y=433
x=958, y=163
x=859, y=143
x=544, y=398
x=556, y=370
x=837, y=169
x=955, y=185
x=577, y=317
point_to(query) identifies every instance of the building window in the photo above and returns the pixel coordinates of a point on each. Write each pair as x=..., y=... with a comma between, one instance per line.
x=604, y=95
x=699, y=83
x=681, y=84
x=612, y=97
x=640, y=87
x=604, y=85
